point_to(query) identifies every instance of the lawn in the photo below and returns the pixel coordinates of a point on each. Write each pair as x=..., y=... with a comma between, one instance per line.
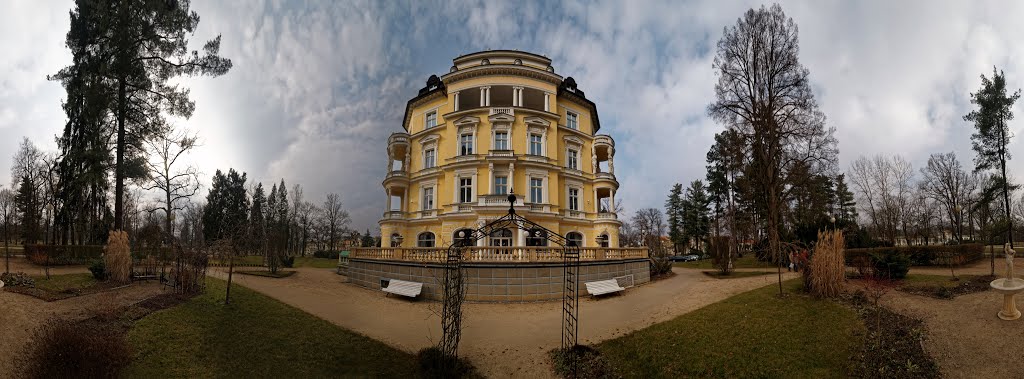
x=255, y=336
x=316, y=262
x=748, y=261
x=60, y=283
x=753, y=334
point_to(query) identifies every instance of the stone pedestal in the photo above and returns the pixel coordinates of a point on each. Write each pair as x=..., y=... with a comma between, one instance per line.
x=1009, y=288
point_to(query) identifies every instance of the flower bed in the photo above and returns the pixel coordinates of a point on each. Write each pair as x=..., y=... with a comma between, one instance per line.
x=936, y=255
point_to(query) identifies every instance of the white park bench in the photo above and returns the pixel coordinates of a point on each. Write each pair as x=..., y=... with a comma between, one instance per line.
x=404, y=288
x=602, y=287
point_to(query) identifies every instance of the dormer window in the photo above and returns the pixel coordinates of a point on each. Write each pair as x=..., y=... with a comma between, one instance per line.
x=485, y=62
x=430, y=120
x=519, y=61
x=572, y=120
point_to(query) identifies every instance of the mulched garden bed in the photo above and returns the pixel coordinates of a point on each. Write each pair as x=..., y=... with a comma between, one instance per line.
x=268, y=274
x=893, y=346
x=49, y=295
x=965, y=287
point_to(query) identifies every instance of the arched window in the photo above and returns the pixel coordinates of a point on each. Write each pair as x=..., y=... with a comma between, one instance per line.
x=396, y=240
x=501, y=237
x=604, y=239
x=425, y=239
x=575, y=239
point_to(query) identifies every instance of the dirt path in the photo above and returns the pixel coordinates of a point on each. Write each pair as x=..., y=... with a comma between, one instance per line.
x=20, y=315
x=503, y=340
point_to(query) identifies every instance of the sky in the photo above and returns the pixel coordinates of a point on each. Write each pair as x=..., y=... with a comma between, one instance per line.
x=318, y=86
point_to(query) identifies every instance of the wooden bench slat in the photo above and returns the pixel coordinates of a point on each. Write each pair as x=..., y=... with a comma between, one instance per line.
x=602, y=287
x=404, y=288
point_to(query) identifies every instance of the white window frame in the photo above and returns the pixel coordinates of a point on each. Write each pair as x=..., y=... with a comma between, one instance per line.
x=539, y=144
x=540, y=199
x=572, y=158
x=427, y=119
x=429, y=158
x=472, y=144
x=505, y=140
x=430, y=200
x=495, y=190
x=569, y=204
x=572, y=120
x=462, y=187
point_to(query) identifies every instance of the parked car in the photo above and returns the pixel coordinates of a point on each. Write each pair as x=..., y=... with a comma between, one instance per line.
x=684, y=258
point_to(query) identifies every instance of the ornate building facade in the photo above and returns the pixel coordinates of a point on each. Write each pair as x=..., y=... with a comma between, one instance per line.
x=500, y=122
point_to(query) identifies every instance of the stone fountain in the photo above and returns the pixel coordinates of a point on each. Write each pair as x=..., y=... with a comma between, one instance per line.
x=1009, y=287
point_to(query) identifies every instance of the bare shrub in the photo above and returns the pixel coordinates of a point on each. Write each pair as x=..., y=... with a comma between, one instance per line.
x=827, y=267
x=86, y=349
x=189, y=273
x=117, y=257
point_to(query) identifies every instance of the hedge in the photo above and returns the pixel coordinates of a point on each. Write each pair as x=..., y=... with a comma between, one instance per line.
x=62, y=254
x=934, y=255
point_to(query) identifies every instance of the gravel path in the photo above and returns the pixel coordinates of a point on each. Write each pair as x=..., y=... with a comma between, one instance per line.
x=502, y=340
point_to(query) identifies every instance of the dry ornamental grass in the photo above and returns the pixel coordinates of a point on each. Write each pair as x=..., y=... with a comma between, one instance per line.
x=827, y=267
x=117, y=257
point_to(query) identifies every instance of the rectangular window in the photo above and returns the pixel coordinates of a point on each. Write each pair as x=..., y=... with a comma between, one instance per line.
x=572, y=120
x=465, y=190
x=501, y=141
x=466, y=144
x=431, y=120
x=428, y=158
x=536, y=190
x=572, y=160
x=535, y=145
x=574, y=199
x=500, y=185
x=428, y=198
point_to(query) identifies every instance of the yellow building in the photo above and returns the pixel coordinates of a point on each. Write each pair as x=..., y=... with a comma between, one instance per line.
x=500, y=121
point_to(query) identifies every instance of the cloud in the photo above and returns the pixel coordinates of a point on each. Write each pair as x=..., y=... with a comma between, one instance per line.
x=317, y=87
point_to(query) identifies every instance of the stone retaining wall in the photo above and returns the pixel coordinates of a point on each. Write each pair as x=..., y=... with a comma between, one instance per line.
x=494, y=282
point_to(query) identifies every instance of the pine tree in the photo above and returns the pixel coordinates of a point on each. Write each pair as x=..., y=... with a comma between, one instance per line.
x=674, y=210
x=696, y=210
x=27, y=202
x=368, y=240
x=257, y=219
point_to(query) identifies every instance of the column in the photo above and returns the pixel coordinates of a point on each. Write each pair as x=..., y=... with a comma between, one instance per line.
x=511, y=174
x=405, y=163
x=490, y=178
x=611, y=204
x=388, y=208
x=475, y=185
x=483, y=96
x=488, y=96
x=455, y=106
x=611, y=164
x=520, y=96
x=547, y=102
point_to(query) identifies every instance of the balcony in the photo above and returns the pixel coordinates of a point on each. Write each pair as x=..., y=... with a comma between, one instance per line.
x=607, y=216
x=394, y=215
x=463, y=207
x=502, y=110
x=497, y=200
x=399, y=177
x=426, y=213
x=603, y=139
x=501, y=154
x=496, y=254
x=573, y=214
x=398, y=139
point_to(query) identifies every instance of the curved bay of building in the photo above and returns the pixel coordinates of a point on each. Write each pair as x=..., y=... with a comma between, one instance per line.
x=500, y=122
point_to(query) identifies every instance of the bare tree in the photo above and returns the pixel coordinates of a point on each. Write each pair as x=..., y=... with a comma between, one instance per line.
x=764, y=94
x=174, y=183
x=885, y=187
x=946, y=182
x=8, y=213
x=335, y=217
x=649, y=225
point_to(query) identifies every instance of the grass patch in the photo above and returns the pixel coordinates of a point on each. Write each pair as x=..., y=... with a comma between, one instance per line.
x=60, y=287
x=943, y=287
x=278, y=274
x=753, y=334
x=316, y=262
x=748, y=261
x=736, y=274
x=255, y=336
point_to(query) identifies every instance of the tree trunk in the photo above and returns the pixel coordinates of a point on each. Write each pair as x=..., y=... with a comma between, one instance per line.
x=119, y=160
x=231, y=270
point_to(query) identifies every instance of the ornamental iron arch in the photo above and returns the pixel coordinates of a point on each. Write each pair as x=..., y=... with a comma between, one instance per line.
x=537, y=235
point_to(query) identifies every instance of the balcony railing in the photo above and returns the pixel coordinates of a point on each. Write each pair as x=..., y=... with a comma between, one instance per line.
x=502, y=153
x=394, y=215
x=463, y=207
x=398, y=138
x=397, y=174
x=607, y=216
x=496, y=200
x=605, y=175
x=573, y=214
x=496, y=254
x=502, y=110
x=604, y=139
